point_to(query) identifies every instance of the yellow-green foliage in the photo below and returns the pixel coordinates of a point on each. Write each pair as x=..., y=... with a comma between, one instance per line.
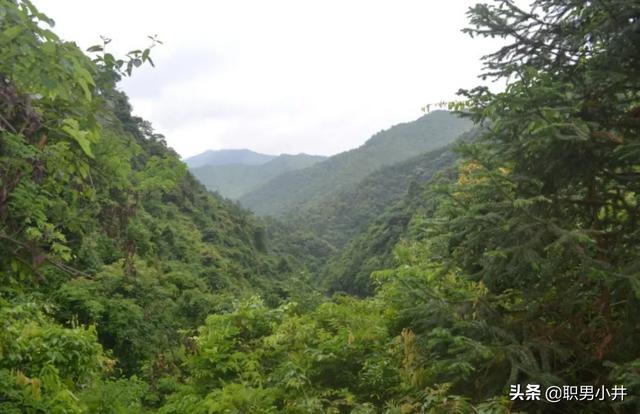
x=43, y=366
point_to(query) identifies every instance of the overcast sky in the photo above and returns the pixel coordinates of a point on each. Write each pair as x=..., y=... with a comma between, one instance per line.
x=282, y=76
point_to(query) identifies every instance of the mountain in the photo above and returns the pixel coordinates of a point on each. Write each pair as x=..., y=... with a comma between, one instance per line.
x=357, y=227
x=349, y=270
x=350, y=233
x=348, y=212
x=382, y=208
x=235, y=180
x=227, y=157
x=457, y=278
x=300, y=189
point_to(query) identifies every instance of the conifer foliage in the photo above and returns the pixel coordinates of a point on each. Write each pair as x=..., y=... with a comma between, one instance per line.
x=541, y=227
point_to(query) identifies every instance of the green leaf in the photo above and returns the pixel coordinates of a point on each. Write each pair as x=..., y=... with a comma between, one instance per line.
x=72, y=128
x=11, y=33
x=85, y=89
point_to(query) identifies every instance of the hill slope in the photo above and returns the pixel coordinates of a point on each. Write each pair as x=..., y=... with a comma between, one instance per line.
x=348, y=212
x=109, y=247
x=227, y=157
x=299, y=189
x=235, y=180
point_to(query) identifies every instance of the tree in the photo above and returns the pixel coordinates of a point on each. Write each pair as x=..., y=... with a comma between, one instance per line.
x=535, y=267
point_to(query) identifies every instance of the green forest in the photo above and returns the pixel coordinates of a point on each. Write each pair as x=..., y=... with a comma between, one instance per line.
x=399, y=277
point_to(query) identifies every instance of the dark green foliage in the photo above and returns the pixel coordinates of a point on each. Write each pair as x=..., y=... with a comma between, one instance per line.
x=528, y=271
x=352, y=232
x=331, y=232
x=350, y=271
x=116, y=396
x=346, y=213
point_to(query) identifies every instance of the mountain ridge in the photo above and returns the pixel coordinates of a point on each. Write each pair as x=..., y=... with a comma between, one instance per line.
x=302, y=188
x=228, y=156
x=234, y=180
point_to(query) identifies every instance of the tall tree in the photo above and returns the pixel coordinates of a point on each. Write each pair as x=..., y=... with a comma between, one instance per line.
x=535, y=245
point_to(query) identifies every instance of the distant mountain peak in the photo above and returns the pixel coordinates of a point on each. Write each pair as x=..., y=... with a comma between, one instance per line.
x=228, y=156
x=235, y=179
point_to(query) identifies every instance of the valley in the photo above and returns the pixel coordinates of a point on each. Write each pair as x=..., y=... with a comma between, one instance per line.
x=440, y=266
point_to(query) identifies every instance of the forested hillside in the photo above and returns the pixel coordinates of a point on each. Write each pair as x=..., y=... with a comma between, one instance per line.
x=341, y=215
x=319, y=234
x=233, y=180
x=328, y=236
x=112, y=254
x=490, y=271
x=301, y=189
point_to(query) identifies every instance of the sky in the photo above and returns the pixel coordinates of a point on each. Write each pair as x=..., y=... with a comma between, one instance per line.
x=281, y=76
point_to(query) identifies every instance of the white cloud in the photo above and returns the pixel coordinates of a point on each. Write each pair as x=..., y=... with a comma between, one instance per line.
x=282, y=76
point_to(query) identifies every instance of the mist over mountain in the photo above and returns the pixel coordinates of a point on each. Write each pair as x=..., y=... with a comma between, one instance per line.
x=227, y=157
x=235, y=180
x=300, y=189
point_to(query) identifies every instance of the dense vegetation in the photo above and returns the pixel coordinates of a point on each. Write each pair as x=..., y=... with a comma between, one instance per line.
x=342, y=238
x=323, y=232
x=233, y=180
x=126, y=287
x=111, y=253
